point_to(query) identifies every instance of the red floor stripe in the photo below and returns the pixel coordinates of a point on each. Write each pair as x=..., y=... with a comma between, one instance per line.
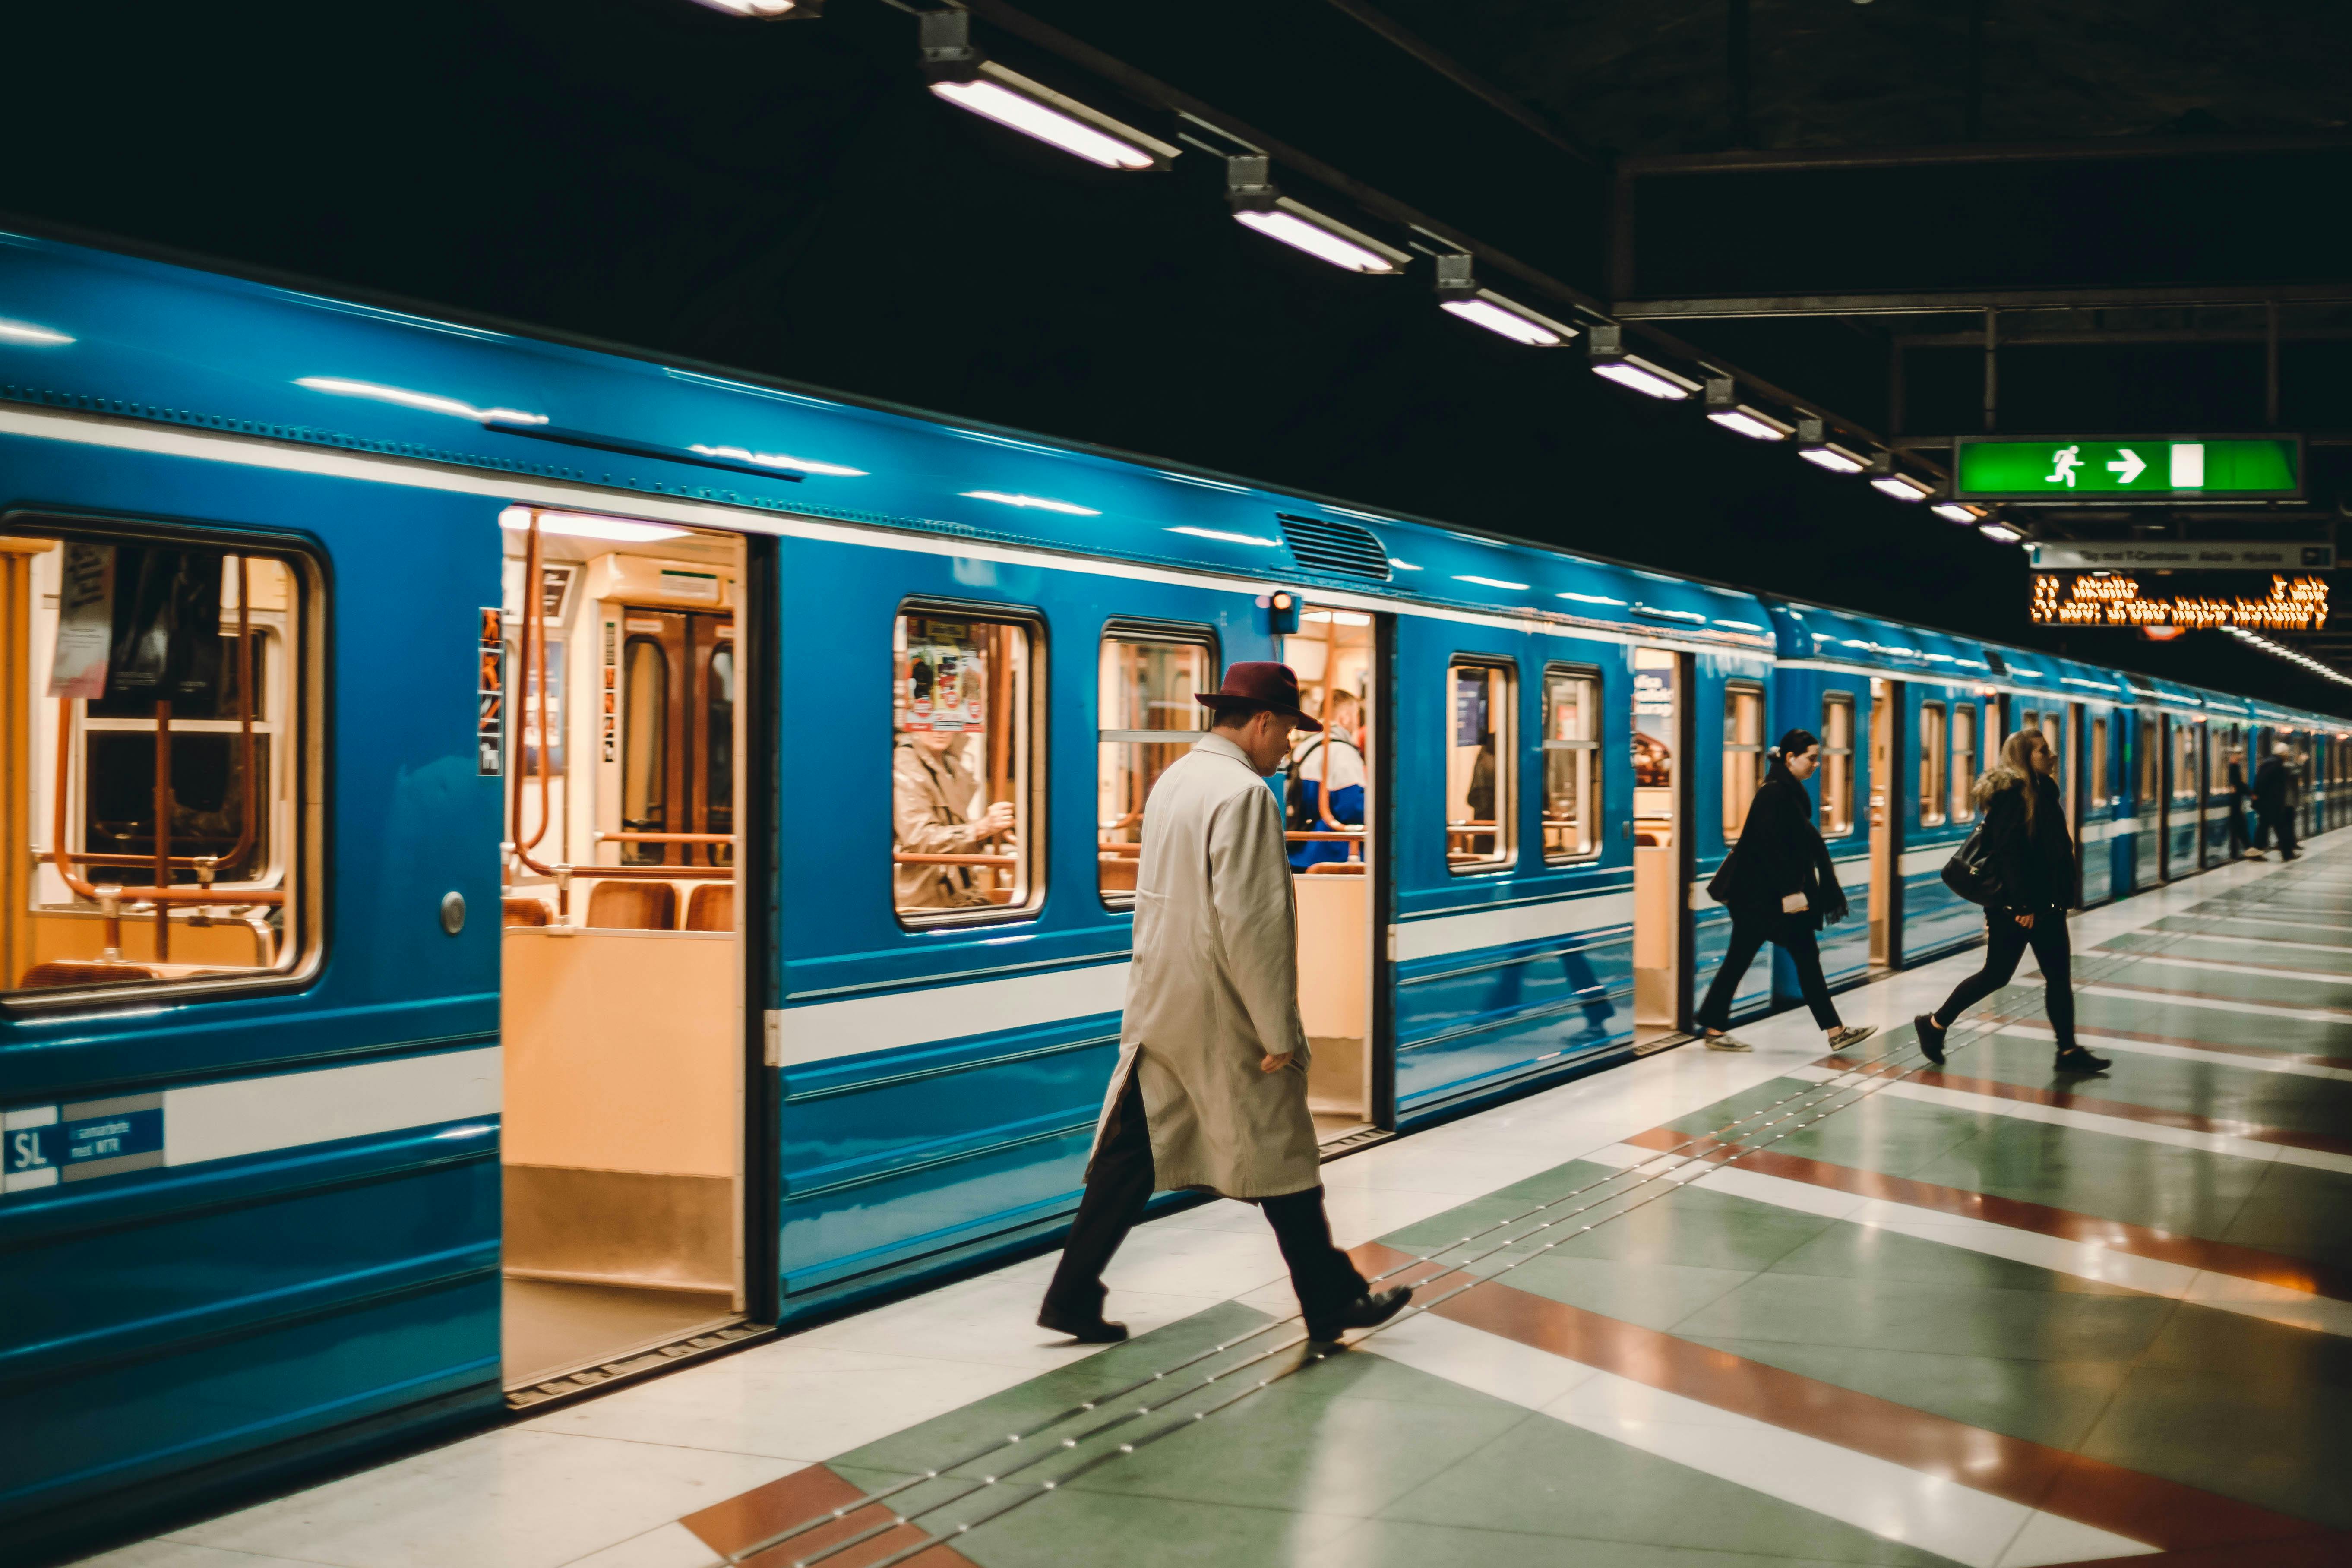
x=2096, y=1105
x=2141, y=1241
x=804, y=1495
x=2163, y=1513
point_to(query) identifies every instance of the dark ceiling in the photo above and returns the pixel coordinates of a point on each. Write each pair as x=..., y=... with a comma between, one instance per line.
x=786, y=198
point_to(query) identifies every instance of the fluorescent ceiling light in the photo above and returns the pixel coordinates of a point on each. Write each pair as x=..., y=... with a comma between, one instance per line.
x=431, y=402
x=777, y=460
x=1649, y=380
x=26, y=333
x=1493, y=583
x=2000, y=532
x=763, y=10
x=1752, y=423
x=1901, y=486
x=1505, y=320
x=1836, y=459
x=1040, y=503
x=584, y=525
x=1591, y=598
x=1953, y=512
x=966, y=77
x=1323, y=239
x=1228, y=538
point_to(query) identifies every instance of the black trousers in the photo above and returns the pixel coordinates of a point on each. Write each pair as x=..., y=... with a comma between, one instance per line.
x=2281, y=823
x=2237, y=829
x=1748, y=938
x=1118, y=1184
x=2005, y=943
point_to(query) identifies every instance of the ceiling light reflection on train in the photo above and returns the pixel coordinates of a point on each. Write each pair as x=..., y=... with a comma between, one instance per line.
x=777, y=460
x=26, y=333
x=1256, y=203
x=1611, y=362
x=1724, y=409
x=1458, y=294
x=963, y=75
x=1219, y=533
x=1041, y=503
x=1340, y=617
x=586, y=525
x=429, y=402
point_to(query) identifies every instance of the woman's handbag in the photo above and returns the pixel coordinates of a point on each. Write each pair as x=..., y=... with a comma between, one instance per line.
x=1969, y=872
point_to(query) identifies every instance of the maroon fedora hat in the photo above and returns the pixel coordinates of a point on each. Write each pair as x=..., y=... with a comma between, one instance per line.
x=1264, y=682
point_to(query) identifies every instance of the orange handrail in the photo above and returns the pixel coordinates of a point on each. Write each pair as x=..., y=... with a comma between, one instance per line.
x=904, y=859
x=523, y=650
x=604, y=836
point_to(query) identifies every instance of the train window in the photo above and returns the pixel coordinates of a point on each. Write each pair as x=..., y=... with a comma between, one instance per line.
x=1932, y=762
x=1149, y=720
x=1743, y=753
x=2145, y=739
x=1837, y=764
x=171, y=716
x=2100, y=794
x=645, y=742
x=1572, y=761
x=2217, y=758
x=1964, y=761
x=962, y=834
x=2184, y=761
x=1477, y=779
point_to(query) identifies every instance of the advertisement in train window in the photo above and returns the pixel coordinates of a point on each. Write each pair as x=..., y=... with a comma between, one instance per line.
x=945, y=677
x=1469, y=707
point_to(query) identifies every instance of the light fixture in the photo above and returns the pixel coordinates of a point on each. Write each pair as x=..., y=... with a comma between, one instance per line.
x=969, y=79
x=431, y=402
x=770, y=10
x=1955, y=511
x=585, y=525
x=27, y=334
x=1724, y=409
x=1894, y=484
x=1611, y=362
x=1250, y=192
x=1040, y=503
x=778, y=460
x=1814, y=445
x=1458, y=293
x=2000, y=532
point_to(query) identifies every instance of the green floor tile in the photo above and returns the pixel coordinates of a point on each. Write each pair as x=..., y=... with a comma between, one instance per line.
x=2213, y=1026
x=1545, y=1477
x=1399, y=1544
x=2264, y=1440
x=2299, y=1212
x=2240, y=984
x=1653, y=1295
x=1865, y=1252
x=1892, y=1315
x=2186, y=1192
x=1697, y=1228
x=2175, y=944
x=1073, y=1527
x=2219, y=1090
x=2205, y=1338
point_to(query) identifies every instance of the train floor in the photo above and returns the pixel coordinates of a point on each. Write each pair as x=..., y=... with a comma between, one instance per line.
x=1979, y=1315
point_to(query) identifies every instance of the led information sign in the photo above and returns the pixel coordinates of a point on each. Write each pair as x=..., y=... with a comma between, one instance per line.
x=2184, y=556
x=2119, y=599
x=2126, y=468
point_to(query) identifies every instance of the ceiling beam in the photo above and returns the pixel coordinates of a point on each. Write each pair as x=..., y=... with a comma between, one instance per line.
x=1703, y=307
x=1768, y=161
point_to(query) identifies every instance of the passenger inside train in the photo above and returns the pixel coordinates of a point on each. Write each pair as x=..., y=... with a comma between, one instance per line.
x=957, y=769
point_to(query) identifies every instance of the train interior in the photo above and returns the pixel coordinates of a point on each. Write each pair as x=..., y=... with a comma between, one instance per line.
x=1329, y=792
x=608, y=680
x=1657, y=853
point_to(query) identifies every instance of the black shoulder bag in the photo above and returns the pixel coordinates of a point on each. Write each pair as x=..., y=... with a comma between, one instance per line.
x=1969, y=872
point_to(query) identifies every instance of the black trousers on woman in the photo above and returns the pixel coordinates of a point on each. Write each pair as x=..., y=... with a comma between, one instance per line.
x=2005, y=943
x=1748, y=938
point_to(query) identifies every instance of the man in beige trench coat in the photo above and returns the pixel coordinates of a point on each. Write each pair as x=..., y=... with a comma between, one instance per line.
x=1211, y=1089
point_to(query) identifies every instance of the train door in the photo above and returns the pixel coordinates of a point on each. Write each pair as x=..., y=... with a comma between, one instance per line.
x=1845, y=947
x=2095, y=831
x=1334, y=800
x=2148, y=799
x=1885, y=697
x=622, y=995
x=1659, y=849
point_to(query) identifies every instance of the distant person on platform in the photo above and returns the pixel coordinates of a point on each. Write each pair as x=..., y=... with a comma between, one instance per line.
x=2031, y=857
x=1210, y=1093
x=2274, y=802
x=1780, y=886
x=2238, y=793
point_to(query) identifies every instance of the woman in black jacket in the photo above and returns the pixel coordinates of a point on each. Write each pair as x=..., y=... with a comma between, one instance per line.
x=1780, y=886
x=2031, y=855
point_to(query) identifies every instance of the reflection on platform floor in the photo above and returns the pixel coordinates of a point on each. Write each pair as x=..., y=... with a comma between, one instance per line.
x=551, y=1327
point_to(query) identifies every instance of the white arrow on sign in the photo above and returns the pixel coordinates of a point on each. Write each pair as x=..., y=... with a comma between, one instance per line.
x=2131, y=465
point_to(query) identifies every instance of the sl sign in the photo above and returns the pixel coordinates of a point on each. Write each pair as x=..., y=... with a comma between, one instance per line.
x=2129, y=468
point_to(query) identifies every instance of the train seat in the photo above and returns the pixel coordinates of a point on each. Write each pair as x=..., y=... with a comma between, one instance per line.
x=525, y=911
x=56, y=971
x=634, y=906
x=1336, y=868
x=712, y=908
x=1118, y=872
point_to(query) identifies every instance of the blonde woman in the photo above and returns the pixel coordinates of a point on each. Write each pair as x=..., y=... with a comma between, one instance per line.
x=2033, y=859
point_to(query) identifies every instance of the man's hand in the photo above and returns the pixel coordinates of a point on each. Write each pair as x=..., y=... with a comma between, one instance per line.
x=2026, y=920
x=1794, y=904
x=1273, y=1064
x=998, y=819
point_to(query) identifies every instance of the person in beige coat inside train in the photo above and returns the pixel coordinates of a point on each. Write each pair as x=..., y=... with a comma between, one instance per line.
x=1210, y=1093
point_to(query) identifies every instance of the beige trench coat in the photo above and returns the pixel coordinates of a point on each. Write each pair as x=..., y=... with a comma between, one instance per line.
x=1214, y=986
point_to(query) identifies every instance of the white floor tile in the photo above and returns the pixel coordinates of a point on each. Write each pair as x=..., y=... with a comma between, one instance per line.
x=167, y=1553
x=671, y=1546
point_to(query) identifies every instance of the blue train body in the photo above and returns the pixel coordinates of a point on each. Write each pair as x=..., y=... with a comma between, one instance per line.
x=313, y=1267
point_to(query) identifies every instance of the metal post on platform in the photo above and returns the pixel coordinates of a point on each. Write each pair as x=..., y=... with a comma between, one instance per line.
x=1992, y=367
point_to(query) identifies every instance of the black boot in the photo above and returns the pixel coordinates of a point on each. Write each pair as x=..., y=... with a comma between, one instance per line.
x=1368, y=1310
x=1931, y=1037
x=1094, y=1331
x=2075, y=1060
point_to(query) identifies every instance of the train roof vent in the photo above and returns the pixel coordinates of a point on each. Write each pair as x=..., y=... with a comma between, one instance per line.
x=1341, y=549
x=1993, y=658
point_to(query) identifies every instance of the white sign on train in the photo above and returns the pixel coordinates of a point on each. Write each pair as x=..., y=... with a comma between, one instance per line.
x=2184, y=556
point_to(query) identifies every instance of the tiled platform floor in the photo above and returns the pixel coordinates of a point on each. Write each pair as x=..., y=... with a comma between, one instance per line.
x=1977, y=1316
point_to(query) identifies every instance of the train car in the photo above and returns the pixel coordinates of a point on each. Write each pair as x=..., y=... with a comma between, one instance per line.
x=527, y=864
x=2226, y=726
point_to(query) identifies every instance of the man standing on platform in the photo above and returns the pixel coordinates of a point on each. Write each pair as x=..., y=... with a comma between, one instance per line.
x=1210, y=1093
x=2237, y=808
x=2274, y=800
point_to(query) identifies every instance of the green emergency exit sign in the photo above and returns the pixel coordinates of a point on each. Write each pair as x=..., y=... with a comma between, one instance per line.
x=2126, y=468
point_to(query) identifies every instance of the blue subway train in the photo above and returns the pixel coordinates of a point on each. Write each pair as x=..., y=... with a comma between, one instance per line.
x=528, y=865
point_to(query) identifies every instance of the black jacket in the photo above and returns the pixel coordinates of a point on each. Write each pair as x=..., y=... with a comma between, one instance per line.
x=2273, y=786
x=1780, y=852
x=2036, y=866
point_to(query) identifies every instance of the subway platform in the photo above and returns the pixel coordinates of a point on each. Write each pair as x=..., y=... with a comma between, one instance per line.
x=1704, y=1312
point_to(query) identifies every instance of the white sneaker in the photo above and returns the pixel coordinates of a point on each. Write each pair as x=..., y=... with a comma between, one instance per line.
x=1726, y=1043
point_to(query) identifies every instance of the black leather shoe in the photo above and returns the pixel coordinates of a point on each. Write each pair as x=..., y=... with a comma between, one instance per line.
x=1931, y=1038
x=1094, y=1331
x=2075, y=1060
x=1366, y=1310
